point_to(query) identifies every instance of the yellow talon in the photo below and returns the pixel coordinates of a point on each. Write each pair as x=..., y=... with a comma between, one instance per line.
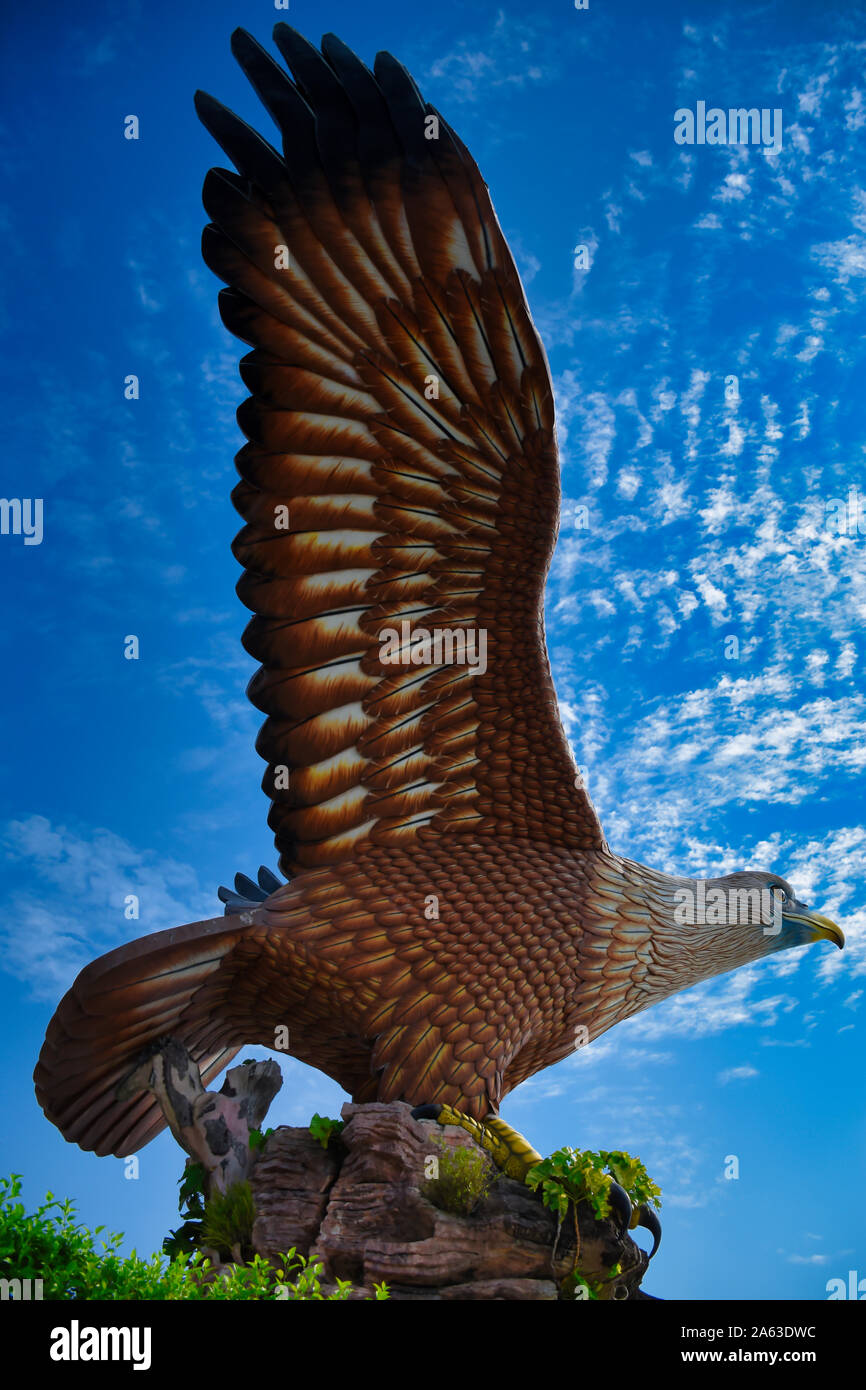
x=509, y=1150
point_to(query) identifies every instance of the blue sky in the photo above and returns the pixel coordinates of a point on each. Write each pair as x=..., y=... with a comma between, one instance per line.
x=707, y=519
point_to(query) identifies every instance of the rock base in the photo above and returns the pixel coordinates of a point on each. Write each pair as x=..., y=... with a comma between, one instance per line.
x=363, y=1208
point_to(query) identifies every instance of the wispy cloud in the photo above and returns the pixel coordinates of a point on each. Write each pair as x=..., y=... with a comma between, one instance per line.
x=743, y=1073
x=71, y=897
x=503, y=58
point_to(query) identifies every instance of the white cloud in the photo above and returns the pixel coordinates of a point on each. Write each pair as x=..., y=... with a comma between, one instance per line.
x=628, y=482
x=735, y=188
x=846, y=259
x=84, y=878
x=498, y=60
x=744, y=1073
x=855, y=109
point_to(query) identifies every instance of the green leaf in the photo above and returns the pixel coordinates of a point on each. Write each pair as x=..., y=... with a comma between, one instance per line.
x=570, y=1175
x=324, y=1129
x=191, y=1180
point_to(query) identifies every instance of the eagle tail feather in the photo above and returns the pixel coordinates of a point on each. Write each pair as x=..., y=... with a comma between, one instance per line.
x=169, y=984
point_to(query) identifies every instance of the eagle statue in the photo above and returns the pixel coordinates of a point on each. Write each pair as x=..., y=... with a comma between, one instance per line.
x=453, y=919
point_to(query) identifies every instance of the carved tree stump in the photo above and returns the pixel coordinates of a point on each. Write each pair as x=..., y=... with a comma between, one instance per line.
x=213, y=1127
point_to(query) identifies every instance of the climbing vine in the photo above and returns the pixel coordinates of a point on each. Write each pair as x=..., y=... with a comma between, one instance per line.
x=574, y=1175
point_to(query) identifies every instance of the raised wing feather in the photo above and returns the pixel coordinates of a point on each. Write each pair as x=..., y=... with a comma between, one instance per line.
x=401, y=474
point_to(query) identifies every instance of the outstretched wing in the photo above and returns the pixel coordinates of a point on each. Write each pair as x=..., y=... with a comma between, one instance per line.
x=401, y=475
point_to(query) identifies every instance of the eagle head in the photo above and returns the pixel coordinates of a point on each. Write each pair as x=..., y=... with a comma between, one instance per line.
x=718, y=924
x=706, y=927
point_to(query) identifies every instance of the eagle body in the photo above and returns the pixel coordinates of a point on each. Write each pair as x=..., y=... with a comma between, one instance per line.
x=451, y=973
x=454, y=919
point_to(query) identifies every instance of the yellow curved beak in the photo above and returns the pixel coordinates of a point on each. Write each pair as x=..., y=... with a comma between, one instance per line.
x=823, y=928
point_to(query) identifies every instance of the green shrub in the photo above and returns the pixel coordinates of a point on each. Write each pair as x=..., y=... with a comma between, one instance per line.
x=227, y=1225
x=324, y=1129
x=190, y=1203
x=466, y=1176
x=49, y=1245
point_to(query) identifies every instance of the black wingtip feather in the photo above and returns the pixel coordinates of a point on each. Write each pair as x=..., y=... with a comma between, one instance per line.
x=301, y=56
x=273, y=85
x=246, y=893
x=407, y=107
x=311, y=71
x=268, y=880
x=377, y=138
x=251, y=155
x=392, y=75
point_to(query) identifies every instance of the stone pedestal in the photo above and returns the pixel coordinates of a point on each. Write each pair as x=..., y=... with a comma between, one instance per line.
x=362, y=1207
